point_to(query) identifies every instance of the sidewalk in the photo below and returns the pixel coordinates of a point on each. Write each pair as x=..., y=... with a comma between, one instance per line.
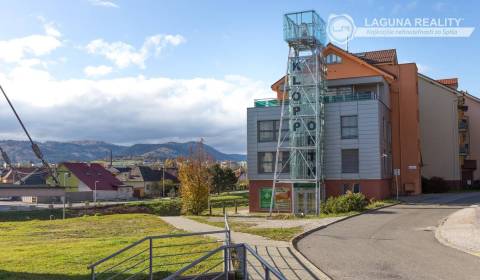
x=461, y=230
x=279, y=254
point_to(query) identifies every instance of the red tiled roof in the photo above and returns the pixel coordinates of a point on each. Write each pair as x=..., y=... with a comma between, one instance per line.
x=379, y=57
x=89, y=173
x=449, y=81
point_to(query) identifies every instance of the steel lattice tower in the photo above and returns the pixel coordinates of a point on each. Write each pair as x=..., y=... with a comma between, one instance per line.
x=302, y=106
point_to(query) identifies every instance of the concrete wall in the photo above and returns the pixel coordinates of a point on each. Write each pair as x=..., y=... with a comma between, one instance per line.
x=438, y=130
x=473, y=115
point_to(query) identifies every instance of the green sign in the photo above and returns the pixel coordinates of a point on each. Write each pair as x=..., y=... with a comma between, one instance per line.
x=282, y=199
x=265, y=197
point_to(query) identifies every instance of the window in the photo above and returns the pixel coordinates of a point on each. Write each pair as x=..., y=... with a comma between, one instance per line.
x=333, y=58
x=350, y=161
x=349, y=127
x=268, y=131
x=266, y=162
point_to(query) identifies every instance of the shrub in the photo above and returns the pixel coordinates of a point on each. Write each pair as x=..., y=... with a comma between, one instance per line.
x=194, y=177
x=345, y=203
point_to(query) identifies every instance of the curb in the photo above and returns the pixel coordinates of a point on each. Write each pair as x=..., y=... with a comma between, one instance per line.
x=445, y=242
x=294, y=241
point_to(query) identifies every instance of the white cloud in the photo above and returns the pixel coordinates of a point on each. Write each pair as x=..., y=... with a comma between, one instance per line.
x=96, y=71
x=17, y=49
x=104, y=3
x=131, y=109
x=423, y=68
x=123, y=54
x=404, y=7
x=439, y=6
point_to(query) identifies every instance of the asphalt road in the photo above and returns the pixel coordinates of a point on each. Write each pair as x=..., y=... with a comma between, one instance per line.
x=397, y=242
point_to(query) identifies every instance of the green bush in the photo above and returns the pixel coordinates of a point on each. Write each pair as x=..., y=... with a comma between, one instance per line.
x=345, y=203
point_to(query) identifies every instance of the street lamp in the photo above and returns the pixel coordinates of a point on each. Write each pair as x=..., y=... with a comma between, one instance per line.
x=163, y=181
x=95, y=192
x=65, y=179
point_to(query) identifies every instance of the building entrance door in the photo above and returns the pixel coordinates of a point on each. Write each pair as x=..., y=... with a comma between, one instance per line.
x=305, y=201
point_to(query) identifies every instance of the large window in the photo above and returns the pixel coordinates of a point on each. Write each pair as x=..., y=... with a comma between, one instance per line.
x=350, y=161
x=268, y=131
x=333, y=58
x=349, y=127
x=266, y=162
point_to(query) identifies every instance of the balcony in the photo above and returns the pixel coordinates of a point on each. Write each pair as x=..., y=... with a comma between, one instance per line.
x=359, y=96
x=463, y=151
x=463, y=124
x=469, y=164
x=266, y=102
x=330, y=98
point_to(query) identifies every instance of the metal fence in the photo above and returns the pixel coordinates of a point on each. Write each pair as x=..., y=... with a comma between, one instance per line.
x=185, y=256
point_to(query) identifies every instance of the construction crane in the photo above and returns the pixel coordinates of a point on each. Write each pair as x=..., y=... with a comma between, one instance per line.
x=36, y=150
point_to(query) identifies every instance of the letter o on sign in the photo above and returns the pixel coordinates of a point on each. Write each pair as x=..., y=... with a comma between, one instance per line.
x=296, y=96
x=311, y=125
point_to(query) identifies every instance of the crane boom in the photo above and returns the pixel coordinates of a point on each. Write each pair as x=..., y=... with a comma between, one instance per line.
x=36, y=150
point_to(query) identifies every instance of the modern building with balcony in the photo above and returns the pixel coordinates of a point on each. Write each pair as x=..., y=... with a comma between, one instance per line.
x=371, y=128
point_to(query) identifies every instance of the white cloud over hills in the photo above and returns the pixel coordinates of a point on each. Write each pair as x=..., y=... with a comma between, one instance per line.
x=123, y=110
x=124, y=55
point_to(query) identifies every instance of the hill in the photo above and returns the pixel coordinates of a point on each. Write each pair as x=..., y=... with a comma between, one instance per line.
x=20, y=151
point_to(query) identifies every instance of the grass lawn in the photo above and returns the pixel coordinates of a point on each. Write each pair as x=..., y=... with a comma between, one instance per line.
x=283, y=234
x=62, y=249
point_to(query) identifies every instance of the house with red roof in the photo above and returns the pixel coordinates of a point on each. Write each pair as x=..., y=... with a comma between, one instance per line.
x=90, y=181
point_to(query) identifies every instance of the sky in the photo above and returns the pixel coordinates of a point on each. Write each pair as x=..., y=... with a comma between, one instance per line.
x=155, y=71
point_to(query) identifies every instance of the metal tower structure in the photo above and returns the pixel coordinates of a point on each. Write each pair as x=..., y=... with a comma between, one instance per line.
x=302, y=107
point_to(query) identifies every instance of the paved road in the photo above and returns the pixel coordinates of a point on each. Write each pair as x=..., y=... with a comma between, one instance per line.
x=393, y=243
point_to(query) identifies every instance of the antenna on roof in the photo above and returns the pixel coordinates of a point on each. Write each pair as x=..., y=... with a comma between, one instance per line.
x=35, y=148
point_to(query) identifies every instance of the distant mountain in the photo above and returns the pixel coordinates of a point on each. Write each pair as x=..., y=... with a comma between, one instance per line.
x=20, y=151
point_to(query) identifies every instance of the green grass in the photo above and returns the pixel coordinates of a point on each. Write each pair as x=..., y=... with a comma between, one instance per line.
x=282, y=234
x=62, y=249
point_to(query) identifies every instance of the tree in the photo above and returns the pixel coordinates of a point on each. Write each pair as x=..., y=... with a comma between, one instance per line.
x=194, y=179
x=222, y=178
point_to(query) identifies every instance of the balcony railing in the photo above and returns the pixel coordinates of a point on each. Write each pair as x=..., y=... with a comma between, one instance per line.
x=334, y=98
x=464, y=150
x=463, y=124
x=267, y=102
x=469, y=164
x=360, y=96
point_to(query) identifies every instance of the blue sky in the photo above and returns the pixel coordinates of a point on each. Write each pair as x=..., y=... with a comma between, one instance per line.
x=154, y=71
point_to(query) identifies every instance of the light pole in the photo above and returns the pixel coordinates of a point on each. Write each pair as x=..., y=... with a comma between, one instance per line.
x=163, y=181
x=95, y=192
x=65, y=179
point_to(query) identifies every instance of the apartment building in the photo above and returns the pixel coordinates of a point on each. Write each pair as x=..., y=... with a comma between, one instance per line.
x=372, y=127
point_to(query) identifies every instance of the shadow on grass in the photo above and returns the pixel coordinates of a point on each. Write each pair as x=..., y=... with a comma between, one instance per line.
x=20, y=216
x=10, y=275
